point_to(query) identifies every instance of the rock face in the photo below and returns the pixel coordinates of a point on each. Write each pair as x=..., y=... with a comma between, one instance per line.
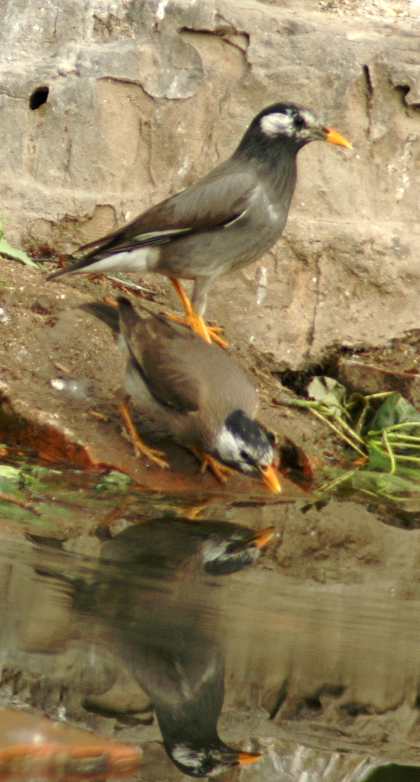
x=108, y=107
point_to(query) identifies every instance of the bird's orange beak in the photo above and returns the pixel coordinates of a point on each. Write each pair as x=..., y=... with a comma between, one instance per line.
x=247, y=758
x=334, y=137
x=263, y=537
x=271, y=479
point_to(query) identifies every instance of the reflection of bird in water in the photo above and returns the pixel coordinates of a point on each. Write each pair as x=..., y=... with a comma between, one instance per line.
x=160, y=606
x=161, y=547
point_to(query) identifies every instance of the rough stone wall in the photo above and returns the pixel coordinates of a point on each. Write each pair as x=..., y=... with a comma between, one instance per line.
x=144, y=97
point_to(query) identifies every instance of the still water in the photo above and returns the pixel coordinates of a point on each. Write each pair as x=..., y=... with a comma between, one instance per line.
x=278, y=642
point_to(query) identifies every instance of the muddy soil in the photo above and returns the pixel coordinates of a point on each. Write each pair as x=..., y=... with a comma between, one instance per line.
x=317, y=690
x=60, y=370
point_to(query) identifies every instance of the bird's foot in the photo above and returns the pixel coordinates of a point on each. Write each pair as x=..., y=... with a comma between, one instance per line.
x=153, y=454
x=140, y=447
x=200, y=327
x=214, y=333
x=194, y=320
x=221, y=471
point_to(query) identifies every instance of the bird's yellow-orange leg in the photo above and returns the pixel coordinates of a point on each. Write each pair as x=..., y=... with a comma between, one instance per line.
x=221, y=471
x=140, y=448
x=195, y=321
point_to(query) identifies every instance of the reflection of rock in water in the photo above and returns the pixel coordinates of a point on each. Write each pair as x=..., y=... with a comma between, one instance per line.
x=288, y=761
x=321, y=659
x=161, y=604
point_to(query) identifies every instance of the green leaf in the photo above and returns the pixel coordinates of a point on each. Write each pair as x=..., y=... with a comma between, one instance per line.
x=384, y=483
x=9, y=473
x=328, y=392
x=378, y=458
x=16, y=255
x=13, y=252
x=9, y=478
x=395, y=410
x=113, y=481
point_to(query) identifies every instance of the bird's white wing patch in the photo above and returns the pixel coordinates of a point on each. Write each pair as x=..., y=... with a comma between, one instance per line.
x=276, y=123
x=146, y=235
x=138, y=260
x=235, y=219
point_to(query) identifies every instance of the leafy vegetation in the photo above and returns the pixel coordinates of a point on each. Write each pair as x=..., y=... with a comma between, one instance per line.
x=13, y=252
x=382, y=432
x=56, y=500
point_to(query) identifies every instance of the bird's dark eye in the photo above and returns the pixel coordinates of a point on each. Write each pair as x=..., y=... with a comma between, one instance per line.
x=246, y=457
x=299, y=122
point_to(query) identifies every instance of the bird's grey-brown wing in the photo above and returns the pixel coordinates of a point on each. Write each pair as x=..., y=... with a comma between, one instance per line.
x=214, y=201
x=188, y=374
x=156, y=348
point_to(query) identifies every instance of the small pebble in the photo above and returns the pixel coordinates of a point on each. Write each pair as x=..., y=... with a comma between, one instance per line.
x=78, y=389
x=4, y=317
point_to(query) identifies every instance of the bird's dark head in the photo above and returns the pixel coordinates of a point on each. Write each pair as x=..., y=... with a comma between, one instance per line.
x=209, y=761
x=287, y=125
x=247, y=446
x=224, y=553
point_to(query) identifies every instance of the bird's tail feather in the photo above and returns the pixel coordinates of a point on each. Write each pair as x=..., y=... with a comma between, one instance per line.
x=111, y=315
x=104, y=312
x=124, y=318
x=132, y=258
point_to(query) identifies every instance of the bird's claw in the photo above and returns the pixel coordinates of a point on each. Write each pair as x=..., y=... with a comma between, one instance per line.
x=198, y=326
x=220, y=471
x=140, y=448
x=208, y=333
x=194, y=320
x=214, y=333
x=153, y=454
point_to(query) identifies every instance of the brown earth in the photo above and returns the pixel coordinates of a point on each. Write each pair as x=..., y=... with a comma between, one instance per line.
x=47, y=338
x=119, y=105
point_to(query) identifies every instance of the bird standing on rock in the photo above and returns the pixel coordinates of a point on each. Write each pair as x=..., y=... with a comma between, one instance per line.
x=223, y=222
x=189, y=391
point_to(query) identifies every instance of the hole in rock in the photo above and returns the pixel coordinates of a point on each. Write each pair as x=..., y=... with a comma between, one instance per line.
x=38, y=97
x=298, y=380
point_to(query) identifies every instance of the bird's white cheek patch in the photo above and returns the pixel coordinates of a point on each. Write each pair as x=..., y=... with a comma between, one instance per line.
x=309, y=118
x=228, y=446
x=274, y=124
x=187, y=757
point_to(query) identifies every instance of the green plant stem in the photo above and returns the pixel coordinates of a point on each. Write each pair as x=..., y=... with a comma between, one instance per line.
x=395, y=428
x=327, y=487
x=351, y=431
x=401, y=458
x=379, y=395
x=389, y=452
x=337, y=431
x=403, y=445
x=405, y=438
